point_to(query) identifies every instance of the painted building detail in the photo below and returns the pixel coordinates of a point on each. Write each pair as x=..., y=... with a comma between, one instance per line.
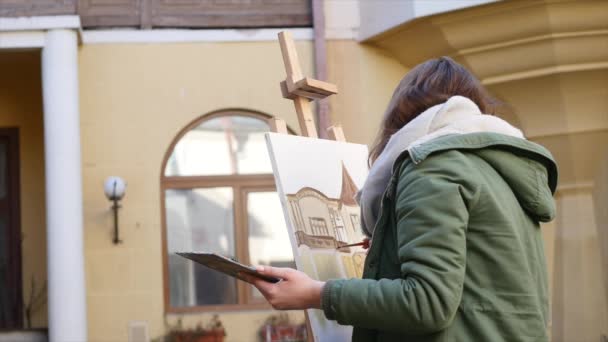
x=323, y=222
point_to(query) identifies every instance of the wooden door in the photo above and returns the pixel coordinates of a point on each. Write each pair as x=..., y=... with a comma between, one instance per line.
x=11, y=313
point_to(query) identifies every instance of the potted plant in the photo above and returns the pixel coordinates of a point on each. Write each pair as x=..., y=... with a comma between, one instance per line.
x=279, y=328
x=213, y=332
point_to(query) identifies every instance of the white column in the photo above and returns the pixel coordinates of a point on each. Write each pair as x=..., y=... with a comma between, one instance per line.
x=65, y=257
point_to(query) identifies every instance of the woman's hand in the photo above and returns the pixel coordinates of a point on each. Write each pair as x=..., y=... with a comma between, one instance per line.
x=296, y=290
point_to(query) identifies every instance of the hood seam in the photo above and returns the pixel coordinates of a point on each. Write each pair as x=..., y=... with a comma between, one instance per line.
x=536, y=201
x=423, y=151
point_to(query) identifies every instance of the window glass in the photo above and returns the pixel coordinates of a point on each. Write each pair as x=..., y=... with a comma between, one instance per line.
x=199, y=220
x=221, y=146
x=268, y=239
x=318, y=226
x=237, y=216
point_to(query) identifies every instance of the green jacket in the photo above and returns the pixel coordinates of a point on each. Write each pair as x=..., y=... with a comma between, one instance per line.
x=457, y=253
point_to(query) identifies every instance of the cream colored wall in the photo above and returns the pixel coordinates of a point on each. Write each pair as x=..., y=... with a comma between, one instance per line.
x=567, y=113
x=134, y=99
x=21, y=106
x=366, y=77
x=579, y=303
x=600, y=199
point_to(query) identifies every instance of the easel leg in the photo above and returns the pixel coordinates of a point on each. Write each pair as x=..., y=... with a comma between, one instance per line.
x=309, y=336
x=277, y=126
x=305, y=116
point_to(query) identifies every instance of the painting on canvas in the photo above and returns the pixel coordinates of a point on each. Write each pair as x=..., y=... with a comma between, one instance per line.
x=317, y=181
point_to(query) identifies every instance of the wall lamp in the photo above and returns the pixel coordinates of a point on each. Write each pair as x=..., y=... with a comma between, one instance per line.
x=114, y=188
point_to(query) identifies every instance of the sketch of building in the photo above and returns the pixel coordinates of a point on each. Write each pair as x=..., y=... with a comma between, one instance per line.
x=326, y=223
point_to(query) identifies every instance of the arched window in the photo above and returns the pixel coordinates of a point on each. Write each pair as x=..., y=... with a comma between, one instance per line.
x=219, y=195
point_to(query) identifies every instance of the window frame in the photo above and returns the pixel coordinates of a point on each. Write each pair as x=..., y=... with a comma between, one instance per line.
x=241, y=185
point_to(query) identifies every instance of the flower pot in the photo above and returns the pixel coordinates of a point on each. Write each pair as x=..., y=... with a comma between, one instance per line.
x=199, y=336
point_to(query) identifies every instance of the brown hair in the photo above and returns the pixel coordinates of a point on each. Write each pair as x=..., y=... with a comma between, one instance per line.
x=427, y=84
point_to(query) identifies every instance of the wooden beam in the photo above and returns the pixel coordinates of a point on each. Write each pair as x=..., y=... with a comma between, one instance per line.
x=299, y=88
x=305, y=117
x=310, y=337
x=336, y=133
x=312, y=89
x=285, y=91
x=278, y=125
x=290, y=57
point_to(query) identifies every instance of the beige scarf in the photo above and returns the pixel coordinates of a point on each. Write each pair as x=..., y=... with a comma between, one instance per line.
x=458, y=115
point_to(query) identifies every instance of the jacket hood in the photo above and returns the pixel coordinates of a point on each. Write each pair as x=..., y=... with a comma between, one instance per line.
x=457, y=116
x=528, y=168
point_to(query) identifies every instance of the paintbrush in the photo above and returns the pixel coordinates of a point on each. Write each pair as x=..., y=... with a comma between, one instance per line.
x=364, y=244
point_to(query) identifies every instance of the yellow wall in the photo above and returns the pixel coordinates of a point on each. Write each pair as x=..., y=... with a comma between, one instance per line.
x=134, y=100
x=579, y=303
x=600, y=197
x=366, y=77
x=567, y=113
x=21, y=106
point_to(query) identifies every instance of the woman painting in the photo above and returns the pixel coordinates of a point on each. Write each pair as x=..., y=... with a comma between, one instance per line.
x=453, y=205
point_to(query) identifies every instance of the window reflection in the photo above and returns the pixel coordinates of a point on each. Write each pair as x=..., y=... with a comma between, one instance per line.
x=268, y=239
x=221, y=146
x=199, y=220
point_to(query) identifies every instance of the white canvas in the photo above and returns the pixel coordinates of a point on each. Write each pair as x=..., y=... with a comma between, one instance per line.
x=317, y=181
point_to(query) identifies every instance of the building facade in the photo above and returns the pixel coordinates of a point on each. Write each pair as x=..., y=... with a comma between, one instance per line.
x=173, y=96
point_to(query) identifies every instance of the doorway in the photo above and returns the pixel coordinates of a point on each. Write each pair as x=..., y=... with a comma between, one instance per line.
x=11, y=306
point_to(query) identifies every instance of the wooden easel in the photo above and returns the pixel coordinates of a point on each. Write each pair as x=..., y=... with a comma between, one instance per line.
x=302, y=90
